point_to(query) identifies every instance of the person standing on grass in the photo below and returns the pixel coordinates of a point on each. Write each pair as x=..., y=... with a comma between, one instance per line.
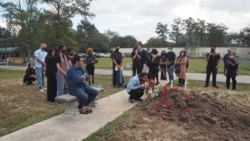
x=117, y=67
x=62, y=67
x=154, y=65
x=225, y=58
x=90, y=61
x=136, y=58
x=182, y=62
x=70, y=54
x=163, y=61
x=144, y=57
x=76, y=78
x=51, y=70
x=232, y=70
x=40, y=55
x=170, y=64
x=136, y=86
x=213, y=61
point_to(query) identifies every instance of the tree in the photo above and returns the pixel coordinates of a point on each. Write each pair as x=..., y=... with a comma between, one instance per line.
x=156, y=42
x=162, y=31
x=245, y=36
x=216, y=34
x=4, y=33
x=9, y=10
x=175, y=34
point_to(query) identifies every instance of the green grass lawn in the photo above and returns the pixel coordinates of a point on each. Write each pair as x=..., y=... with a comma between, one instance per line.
x=195, y=65
x=21, y=106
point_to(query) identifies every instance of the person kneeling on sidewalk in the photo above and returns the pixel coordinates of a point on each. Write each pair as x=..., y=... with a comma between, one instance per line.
x=76, y=78
x=135, y=87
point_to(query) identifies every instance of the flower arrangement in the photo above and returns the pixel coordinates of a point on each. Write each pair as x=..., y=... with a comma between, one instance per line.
x=152, y=88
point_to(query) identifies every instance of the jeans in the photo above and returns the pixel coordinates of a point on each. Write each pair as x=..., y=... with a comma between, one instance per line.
x=170, y=70
x=85, y=94
x=60, y=90
x=40, y=78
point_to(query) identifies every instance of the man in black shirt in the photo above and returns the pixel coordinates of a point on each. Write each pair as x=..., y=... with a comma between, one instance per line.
x=170, y=64
x=213, y=60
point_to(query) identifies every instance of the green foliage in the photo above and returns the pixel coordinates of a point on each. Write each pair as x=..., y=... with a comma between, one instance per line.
x=162, y=31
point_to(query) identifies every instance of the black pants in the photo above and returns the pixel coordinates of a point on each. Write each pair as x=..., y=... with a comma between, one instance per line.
x=136, y=68
x=29, y=79
x=163, y=72
x=228, y=81
x=214, y=73
x=153, y=74
x=51, y=88
x=136, y=93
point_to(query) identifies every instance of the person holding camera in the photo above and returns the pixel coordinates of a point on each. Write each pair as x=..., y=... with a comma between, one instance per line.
x=76, y=78
x=213, y=60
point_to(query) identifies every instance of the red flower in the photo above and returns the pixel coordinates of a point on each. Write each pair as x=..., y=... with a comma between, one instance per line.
x=165, y=90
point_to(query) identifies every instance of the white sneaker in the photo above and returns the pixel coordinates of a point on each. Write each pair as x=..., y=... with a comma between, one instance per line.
x=41, y=90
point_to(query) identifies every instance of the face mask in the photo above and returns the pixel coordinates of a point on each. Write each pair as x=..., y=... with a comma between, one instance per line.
x=182, y=54
x=116, y=49
x=212, y=50
x=231, y=57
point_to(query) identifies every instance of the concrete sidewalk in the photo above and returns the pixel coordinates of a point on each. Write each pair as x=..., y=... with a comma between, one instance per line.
x=74, y=128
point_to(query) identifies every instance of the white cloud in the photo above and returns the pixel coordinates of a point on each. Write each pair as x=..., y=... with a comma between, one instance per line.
x=139, y=18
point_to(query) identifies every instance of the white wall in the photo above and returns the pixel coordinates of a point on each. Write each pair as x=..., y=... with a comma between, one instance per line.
x=241, y=52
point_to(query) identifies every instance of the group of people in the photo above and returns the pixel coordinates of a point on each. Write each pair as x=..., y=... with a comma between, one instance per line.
x=166, y=62
x=230, y=67
x=149, y=61
x=65, y=74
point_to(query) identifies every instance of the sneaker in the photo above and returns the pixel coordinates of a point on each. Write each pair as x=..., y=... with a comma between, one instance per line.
x=41, y=90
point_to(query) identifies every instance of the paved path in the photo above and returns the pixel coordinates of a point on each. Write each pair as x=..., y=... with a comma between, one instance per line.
x=75, y=128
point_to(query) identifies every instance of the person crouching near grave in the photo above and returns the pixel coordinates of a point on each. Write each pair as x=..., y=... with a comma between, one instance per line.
x=30, y=75
x=76, y=78
x=136, y=86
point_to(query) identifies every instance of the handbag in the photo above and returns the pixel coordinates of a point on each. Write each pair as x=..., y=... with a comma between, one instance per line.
x=177, y=68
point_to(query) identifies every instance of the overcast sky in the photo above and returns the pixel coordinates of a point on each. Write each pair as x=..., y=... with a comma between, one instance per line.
x=139, y=18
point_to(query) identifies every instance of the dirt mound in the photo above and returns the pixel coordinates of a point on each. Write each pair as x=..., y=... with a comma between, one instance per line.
x=176, y=115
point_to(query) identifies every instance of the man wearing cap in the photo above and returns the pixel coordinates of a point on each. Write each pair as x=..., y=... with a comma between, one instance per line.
x=170, y=64
x=213, y=60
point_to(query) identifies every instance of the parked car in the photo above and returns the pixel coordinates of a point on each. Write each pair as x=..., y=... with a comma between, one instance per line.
x=107, y=55
x=127, y=54
x=82, y=54
x=99, y=55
